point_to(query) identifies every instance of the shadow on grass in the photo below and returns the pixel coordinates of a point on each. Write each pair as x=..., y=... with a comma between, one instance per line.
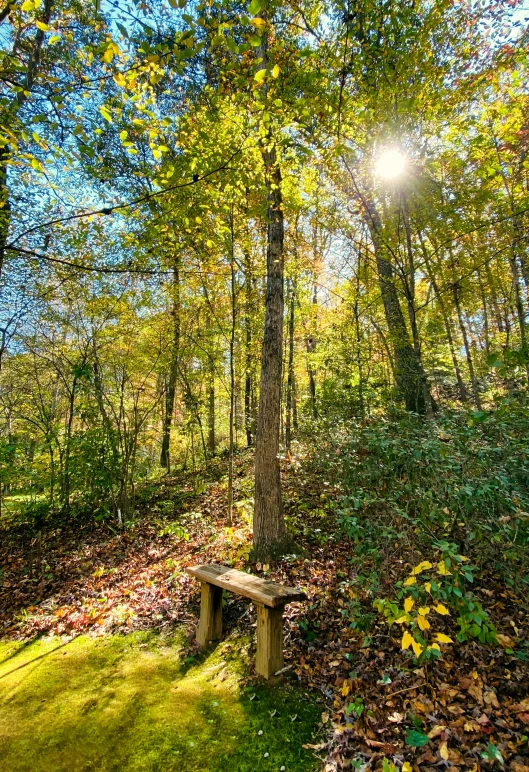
x=131, y=703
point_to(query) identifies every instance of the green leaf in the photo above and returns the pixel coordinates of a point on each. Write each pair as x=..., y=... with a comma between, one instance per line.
x=416, y=739
x=492, y=754
x=254, y=7
x=105, y=112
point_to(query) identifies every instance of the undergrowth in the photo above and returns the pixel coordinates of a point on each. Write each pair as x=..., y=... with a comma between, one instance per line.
x=460, y=477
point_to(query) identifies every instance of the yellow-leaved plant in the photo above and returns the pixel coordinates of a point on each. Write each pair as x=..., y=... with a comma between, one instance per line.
x=431, y=592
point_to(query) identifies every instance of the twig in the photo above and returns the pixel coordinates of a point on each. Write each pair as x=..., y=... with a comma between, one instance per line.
x=407, y=689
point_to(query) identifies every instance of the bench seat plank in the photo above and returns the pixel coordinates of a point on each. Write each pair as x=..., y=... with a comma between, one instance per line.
x=261, y=591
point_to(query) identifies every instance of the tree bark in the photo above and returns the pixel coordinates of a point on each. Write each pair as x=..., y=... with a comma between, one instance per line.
x=463, y=393
x=408, y=371
x=170, y=393
x=409, y=290
x=269, y=530
x=466, y=344
x=211, y=410
x=290, y=377
x=232, y=370
x=270, y=537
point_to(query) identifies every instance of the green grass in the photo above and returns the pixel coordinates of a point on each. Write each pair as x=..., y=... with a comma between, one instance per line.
x=131, y=703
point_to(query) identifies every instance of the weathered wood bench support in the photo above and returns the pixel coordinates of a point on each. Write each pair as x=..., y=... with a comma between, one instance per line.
x=269, y=598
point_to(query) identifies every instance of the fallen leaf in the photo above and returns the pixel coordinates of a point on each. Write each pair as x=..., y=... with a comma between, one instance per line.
x=476, y=691
x=491, y=699
x=436, y=731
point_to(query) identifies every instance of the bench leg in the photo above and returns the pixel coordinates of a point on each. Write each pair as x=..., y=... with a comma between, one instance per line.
x=269, y=657
x=210, y=625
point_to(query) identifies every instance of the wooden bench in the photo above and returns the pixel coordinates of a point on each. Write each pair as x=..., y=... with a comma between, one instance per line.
x=269, y=599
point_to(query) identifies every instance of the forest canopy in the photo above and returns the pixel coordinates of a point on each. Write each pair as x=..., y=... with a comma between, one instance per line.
x=222, y=223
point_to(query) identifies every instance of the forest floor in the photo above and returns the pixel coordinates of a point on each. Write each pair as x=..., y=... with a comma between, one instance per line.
x=370, y=705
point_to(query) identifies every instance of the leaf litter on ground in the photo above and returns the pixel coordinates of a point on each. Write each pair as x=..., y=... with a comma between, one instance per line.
x=468, y=710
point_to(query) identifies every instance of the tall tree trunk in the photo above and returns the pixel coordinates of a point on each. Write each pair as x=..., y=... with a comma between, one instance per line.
x=232, y=369
x=310, y=345
x=409, y=290
x=170, y=392
x=486, y=330
x=466, y=344
x=358, y=336
x=463, y=393
x=290, y=368
x=520, y=310
x=67, y=447
x=269, y=530
x=5, y=209
x=211, y=410
x=408, y=371
x=249, y=397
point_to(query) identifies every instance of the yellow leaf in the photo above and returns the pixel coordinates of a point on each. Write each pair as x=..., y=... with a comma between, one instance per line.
x=260, y=75
x=120, y=79
x=423, y=623
x=408, y=605
x=275, y=71
x=424, y=566
x=443, y=751
x=424, y=610
x=409, y=581
x=108, y=55
x=43, y=27
x=29, y=5
x=258, y=23
x=427, y=586
x=401, y=620
x=442, y=609
x=417, y=648
x=345, y=689
x=442, y=569
x=407, y=640
x=435, y=646
x=407, y=767
x=442, y=638
x=462, y=557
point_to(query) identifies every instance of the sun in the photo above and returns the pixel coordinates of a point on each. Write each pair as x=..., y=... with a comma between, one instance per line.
x=390, y=164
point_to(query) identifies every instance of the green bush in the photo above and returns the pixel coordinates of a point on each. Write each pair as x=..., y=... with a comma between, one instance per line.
x=462, y=476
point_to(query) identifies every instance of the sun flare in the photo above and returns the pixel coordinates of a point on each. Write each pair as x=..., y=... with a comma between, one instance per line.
x=390, y=164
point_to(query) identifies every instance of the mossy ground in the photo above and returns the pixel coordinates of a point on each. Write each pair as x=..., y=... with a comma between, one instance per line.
x=133, y=703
